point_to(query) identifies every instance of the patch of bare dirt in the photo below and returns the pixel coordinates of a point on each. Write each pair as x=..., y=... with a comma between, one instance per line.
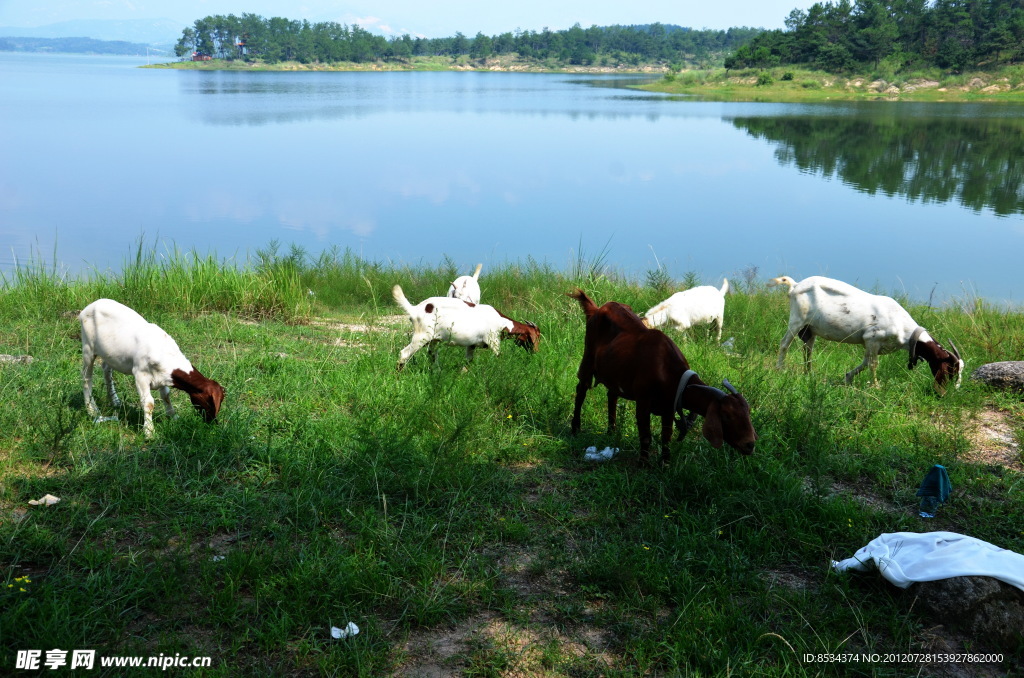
x=993, y=441
x=792, y=577
x=862, y=492
x=384, y=322
x=520, y=647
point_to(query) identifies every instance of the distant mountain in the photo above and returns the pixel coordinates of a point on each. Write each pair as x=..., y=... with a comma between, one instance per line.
x=81, y=46
x=152, y=32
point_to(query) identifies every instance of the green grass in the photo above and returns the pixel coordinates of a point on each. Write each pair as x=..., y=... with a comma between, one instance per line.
x=448, y=512
x=791, y=84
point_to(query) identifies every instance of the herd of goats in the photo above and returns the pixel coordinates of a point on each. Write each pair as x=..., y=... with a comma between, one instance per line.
x=625, y=352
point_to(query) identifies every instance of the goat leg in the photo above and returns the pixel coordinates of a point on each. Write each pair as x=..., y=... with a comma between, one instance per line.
x=613, y=405
x=581, y=393
x=643, y=427
x=666, y=438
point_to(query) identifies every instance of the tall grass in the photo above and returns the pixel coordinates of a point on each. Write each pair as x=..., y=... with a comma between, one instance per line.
x=169, y=281
x=443, y=503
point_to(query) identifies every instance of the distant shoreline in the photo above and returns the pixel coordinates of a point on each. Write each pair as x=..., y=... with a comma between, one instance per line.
x=496, y=64
x=779, y=84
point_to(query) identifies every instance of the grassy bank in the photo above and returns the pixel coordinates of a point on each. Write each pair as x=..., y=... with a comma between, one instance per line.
x=789, y=84
x=448, y=512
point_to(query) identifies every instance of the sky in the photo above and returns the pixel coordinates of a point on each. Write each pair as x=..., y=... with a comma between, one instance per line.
x=429, y=18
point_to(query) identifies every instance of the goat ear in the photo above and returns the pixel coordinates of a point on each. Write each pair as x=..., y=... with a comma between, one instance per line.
x=713, y=426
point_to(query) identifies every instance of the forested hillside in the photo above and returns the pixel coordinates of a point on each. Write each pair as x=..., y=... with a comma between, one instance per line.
x=841, y=36
x=71, y=46
x=252, y=37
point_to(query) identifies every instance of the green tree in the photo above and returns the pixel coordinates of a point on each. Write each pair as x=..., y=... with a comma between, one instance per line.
x=482, y=47
x=186, y=43
x=876, y=31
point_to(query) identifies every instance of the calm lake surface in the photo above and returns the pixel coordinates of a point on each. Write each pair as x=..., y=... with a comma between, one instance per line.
x=919, y=199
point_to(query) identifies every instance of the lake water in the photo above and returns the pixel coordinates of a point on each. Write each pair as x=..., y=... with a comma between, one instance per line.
x=918, y=199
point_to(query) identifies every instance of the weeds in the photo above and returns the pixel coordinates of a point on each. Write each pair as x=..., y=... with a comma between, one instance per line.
x=455, y=505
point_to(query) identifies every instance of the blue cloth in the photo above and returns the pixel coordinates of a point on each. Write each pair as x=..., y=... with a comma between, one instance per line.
x=934, y=490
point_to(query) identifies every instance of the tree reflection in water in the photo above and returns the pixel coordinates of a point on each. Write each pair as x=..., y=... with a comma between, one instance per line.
x=978, y=162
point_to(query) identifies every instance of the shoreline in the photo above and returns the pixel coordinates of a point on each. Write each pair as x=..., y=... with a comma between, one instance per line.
x=791, y=85
x=464, y=64
x=777, y=85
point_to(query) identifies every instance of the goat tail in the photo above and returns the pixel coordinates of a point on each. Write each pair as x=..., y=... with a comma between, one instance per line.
x=476, y=273
x=399, y=296
x=586, y=303
x=725, y=287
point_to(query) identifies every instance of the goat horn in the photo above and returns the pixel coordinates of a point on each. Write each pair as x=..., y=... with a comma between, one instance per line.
x=730, y=387
x=955, y=352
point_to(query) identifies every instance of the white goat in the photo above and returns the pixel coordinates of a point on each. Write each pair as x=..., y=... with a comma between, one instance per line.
x=460, y=323
x=129, y=344
x=834, y=310
x=466, y=287
x=704, y=304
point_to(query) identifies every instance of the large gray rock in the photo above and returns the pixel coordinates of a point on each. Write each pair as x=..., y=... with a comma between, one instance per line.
x=989, y=610
x=1007, y=375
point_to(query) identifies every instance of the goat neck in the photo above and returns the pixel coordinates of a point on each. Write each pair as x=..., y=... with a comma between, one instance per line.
x=696, y=396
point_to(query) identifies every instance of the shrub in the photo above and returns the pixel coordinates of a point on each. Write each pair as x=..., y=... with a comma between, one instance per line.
x=764, y=78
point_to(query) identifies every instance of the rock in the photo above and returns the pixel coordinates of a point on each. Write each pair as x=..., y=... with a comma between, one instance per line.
x=920, y=84
x=986, y=608
x=1006, y=375
x=23, y=359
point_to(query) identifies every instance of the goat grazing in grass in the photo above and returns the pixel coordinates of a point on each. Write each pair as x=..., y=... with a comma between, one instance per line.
x=129, y=344
x=460, y=323
x=467, y=287
x=697, y=305
x=782, y=281
x=834, y=310
x=645, y=366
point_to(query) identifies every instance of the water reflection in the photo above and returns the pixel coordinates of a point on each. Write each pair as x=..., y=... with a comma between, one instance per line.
x=976, y=162
x=230, y=98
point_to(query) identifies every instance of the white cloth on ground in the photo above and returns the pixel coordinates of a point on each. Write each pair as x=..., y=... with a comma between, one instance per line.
x=907, y=557
x=607, y=453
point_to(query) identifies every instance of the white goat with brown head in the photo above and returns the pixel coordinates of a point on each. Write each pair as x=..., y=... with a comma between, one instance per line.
x=834, y=310
x=438, y=320
x=129, y=344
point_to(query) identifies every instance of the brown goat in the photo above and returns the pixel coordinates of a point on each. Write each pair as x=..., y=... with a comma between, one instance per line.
x=645, y=366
